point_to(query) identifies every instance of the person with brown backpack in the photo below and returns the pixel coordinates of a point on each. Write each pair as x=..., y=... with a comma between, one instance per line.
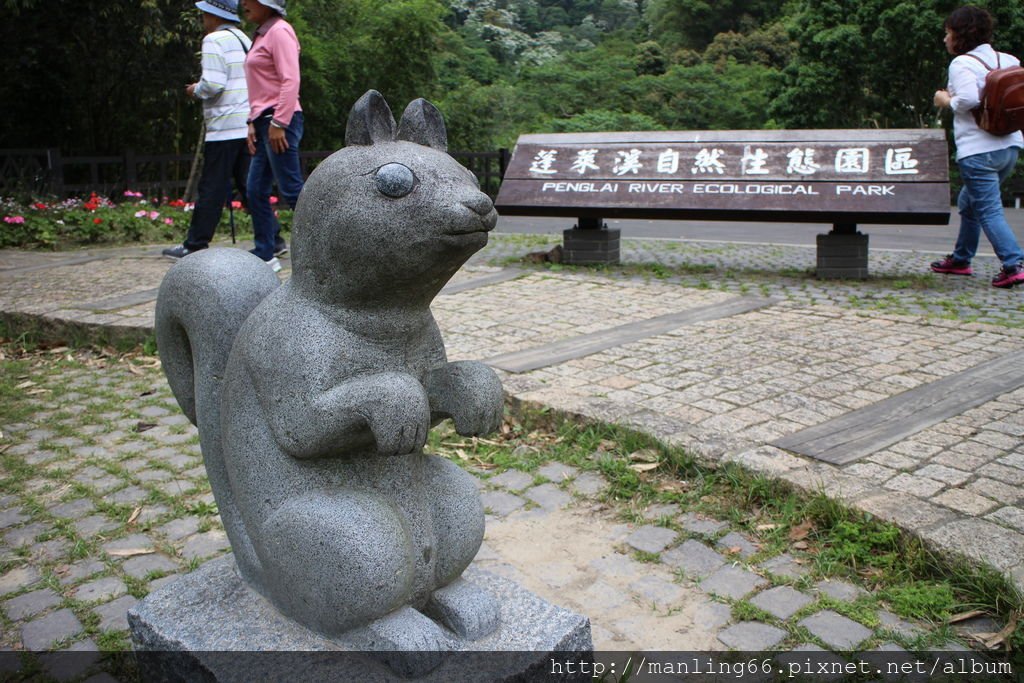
x=985, y=159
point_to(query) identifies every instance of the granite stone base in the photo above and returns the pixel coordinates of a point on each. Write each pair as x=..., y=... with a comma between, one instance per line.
x=210, y=626
x=591, y=246
x=843, y=256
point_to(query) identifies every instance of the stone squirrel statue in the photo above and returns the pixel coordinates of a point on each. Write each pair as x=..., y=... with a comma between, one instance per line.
x=313, y=399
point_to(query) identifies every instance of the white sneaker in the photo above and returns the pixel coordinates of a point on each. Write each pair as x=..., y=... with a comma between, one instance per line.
x=275, y=264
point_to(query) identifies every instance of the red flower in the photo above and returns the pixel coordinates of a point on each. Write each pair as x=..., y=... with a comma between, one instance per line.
x=236, y=204
x=97, y=221
x=273, y=200
x=39, y=205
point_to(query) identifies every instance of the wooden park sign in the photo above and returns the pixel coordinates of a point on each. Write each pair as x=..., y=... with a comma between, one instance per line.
x=842, y=177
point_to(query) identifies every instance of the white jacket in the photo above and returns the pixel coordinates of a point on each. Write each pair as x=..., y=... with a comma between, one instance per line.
x=966, y=80
x=222, y=87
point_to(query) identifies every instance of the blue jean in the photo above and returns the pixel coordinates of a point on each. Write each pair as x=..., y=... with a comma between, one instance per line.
x=265, y=168
x=981, y=207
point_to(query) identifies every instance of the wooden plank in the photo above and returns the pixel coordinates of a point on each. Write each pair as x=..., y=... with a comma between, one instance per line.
x=813, y=202
x=870, y=429
x=587, y=344
x=847, y=161
x=778, y=135
x=482, y=281
x=850, y=176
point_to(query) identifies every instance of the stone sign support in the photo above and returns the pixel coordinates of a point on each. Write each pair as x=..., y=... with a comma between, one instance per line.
x=590, y=242
x=843, y=253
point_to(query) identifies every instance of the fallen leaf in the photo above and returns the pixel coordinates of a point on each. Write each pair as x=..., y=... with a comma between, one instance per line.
x=135, y=515
x=134, y=370
x=964, y=616
x=801, y=531
x=644, y=466
x=59, y=349
x=461, y=453
x=37, y=392
x=484, y=465
x=25, y=385
x=673, y=486
x=645, y=455
x=800, y=545
x=606, y=445
x=766, y=527
x=130, y=552
x=4, y=447
x=735, y=550
x=144, y=426
x=1000, y=638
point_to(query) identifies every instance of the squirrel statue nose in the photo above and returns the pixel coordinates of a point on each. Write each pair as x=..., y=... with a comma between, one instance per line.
x=480, y=204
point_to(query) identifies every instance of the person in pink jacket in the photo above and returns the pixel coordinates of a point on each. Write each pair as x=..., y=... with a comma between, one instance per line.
x=275, y=122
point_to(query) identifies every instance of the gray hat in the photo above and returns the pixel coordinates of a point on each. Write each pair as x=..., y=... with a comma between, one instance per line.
x=276, y=5
x=225, y=9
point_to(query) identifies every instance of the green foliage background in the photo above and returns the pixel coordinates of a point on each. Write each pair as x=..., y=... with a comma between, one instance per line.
x=100, y=76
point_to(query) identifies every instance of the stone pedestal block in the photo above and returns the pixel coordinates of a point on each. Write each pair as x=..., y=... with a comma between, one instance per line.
x=210, y=626
x=590, y=246
x=843, y=255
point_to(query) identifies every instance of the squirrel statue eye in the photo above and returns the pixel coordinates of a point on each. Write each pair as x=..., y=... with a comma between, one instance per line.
x=395, y=180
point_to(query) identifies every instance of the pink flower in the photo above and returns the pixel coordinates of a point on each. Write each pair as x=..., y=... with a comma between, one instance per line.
x=14, y=219
x=236, y=204
x=273, y=200
x=140, y=214
x=169, y=221
x=153, y=215
x=129, y=193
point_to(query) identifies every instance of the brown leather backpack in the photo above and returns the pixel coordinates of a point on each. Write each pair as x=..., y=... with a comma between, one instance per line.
x=1001, y=111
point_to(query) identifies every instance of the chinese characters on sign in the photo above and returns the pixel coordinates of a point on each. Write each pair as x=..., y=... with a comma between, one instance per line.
x=802, y=161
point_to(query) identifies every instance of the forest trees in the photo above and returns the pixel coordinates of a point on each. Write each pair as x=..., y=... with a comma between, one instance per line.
x=99, y=77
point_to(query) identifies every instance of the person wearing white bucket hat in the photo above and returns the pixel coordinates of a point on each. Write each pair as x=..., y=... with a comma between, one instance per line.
x=222, y=90
x=275, y=122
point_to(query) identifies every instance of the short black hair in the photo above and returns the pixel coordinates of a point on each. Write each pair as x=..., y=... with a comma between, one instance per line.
x=971, y=27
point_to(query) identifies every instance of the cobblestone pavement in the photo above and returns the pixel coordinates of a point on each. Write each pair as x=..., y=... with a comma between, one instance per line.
x=111, y=507
x=105, y=499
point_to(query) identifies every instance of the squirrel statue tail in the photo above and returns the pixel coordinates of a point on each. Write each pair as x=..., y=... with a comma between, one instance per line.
x=203, y=301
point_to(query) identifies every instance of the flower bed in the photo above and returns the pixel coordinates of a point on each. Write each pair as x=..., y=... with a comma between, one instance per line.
x=53, y=224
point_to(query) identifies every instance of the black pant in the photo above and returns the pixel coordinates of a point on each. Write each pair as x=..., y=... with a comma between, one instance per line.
x=223, y=161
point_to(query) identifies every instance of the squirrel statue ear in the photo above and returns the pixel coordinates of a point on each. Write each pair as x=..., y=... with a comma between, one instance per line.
x=423, y=123
x=370, y=121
